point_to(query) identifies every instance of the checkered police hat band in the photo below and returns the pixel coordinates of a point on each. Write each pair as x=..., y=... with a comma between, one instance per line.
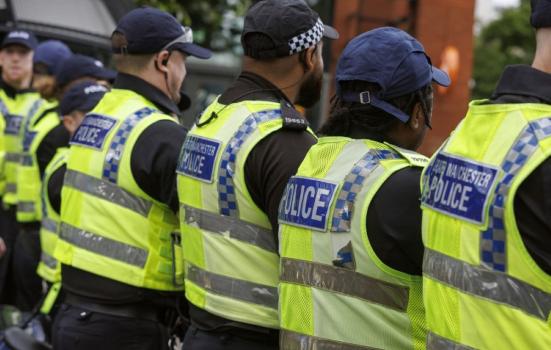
x=307, y=39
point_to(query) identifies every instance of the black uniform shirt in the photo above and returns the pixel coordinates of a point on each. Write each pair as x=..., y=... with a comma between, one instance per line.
x=268, y=168
x=532, y=205
x=393, y=220
x=153, y=164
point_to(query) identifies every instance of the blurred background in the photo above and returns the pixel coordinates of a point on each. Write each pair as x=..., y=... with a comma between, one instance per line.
x=472, y=39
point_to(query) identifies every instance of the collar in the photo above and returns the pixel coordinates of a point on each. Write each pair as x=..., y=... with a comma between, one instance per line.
x=523, y=80
x=251, y=86
x=10, y=91
x=148, y=91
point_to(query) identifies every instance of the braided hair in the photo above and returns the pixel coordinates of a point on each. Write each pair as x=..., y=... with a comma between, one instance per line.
x=348, y=116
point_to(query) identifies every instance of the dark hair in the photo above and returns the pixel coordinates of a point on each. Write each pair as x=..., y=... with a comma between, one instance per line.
x=347, y=116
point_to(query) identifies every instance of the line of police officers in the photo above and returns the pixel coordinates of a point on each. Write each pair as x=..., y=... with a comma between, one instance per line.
x=248, y=232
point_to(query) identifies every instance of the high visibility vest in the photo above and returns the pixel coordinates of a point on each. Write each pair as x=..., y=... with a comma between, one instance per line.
x=482, y=289
x=28, y=173
x=15, y=113
x=334, y=292
x=109, y=226
x=230, y=252
x=48, y=267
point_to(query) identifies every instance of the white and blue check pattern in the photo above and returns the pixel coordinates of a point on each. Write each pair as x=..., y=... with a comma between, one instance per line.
x=493, y=240
x=307, y=39
x=226, y=189
x=116, y=148
x=353, y=183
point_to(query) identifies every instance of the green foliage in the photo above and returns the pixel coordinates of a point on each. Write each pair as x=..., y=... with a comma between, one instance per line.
x=216, y=23
x=508, y=40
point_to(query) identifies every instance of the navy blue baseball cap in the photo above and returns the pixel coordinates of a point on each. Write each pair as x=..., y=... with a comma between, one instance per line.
x=541, y=13
x=20, y=37
x=82, y=97
x=391, y=58
x=51, y=53
x=148, y=30
x=80, y=66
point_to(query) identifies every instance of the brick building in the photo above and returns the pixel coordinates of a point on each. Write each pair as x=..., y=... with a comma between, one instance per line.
x=439, y=25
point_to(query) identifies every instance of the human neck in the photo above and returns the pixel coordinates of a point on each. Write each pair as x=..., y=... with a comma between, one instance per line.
x=542, y=59
x=287, y=82
x=20, y=84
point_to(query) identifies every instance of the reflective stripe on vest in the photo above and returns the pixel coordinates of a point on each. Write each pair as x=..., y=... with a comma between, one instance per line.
x=12, y=157
x=436, y=342
x=224, y=225
x=11, y=187
x=26, y=207
x=344, y=281
x=487, y=284
x=48, y=260
x=102, y=245
x=297, y=341
x=233, y=288
x=108, y=191
x=49, y=224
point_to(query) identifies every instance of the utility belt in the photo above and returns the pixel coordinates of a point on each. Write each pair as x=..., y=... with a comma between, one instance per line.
x=145, y=311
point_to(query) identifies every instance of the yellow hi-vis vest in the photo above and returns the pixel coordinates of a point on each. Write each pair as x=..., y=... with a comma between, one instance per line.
x=28, y=173
x=48, y=267
x=334, y=292
x=109, y=226
x=15, y=113
x=230, y=252
x=482, y=289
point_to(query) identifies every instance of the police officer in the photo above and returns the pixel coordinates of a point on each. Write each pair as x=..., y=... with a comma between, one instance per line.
x=487, y=215
x=350, y=220
x=17, y=101
x=77, y=101
x=41, y=139
x=233, y=170
x=118, y=245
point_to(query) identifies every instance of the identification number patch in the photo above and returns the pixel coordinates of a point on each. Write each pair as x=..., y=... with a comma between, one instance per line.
x=93, y=131
x=13, y=124
x=306, y=202
x=198, y=158
x=458, y=187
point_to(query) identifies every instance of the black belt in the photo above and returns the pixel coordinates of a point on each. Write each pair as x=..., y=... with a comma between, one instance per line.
x=139, y=311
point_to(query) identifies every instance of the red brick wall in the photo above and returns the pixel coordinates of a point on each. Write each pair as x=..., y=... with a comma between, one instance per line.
x=437, y=24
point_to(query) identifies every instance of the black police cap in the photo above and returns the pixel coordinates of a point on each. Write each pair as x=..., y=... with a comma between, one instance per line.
x=541, y=13
x=291, y=25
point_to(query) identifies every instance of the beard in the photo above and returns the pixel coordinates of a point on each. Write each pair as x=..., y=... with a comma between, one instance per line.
x=310, y=90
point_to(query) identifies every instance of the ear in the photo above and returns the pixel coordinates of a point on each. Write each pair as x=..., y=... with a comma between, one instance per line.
x=161, y=60
x=416, y=120
x=310, y=59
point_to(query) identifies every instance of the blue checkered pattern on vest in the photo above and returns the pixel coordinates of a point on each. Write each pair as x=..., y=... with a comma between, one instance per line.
x=114, y=154
x=226, y=189
x=353, y=183
x=36, y=105
x=3, y=108
x=493, y=240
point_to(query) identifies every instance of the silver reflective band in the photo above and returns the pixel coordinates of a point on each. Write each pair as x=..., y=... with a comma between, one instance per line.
x=224, y=225
x=49, y=225
x=344, y=281
x=12, y=157
x=108, y=191
x=436, y=342
x=186, y=38
x=48, y=260
x=493, y=286
x=26, y=160
x=11, y=187
x=233, y=288
x=295, y=341
x=103, y=245
x=25, y=207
